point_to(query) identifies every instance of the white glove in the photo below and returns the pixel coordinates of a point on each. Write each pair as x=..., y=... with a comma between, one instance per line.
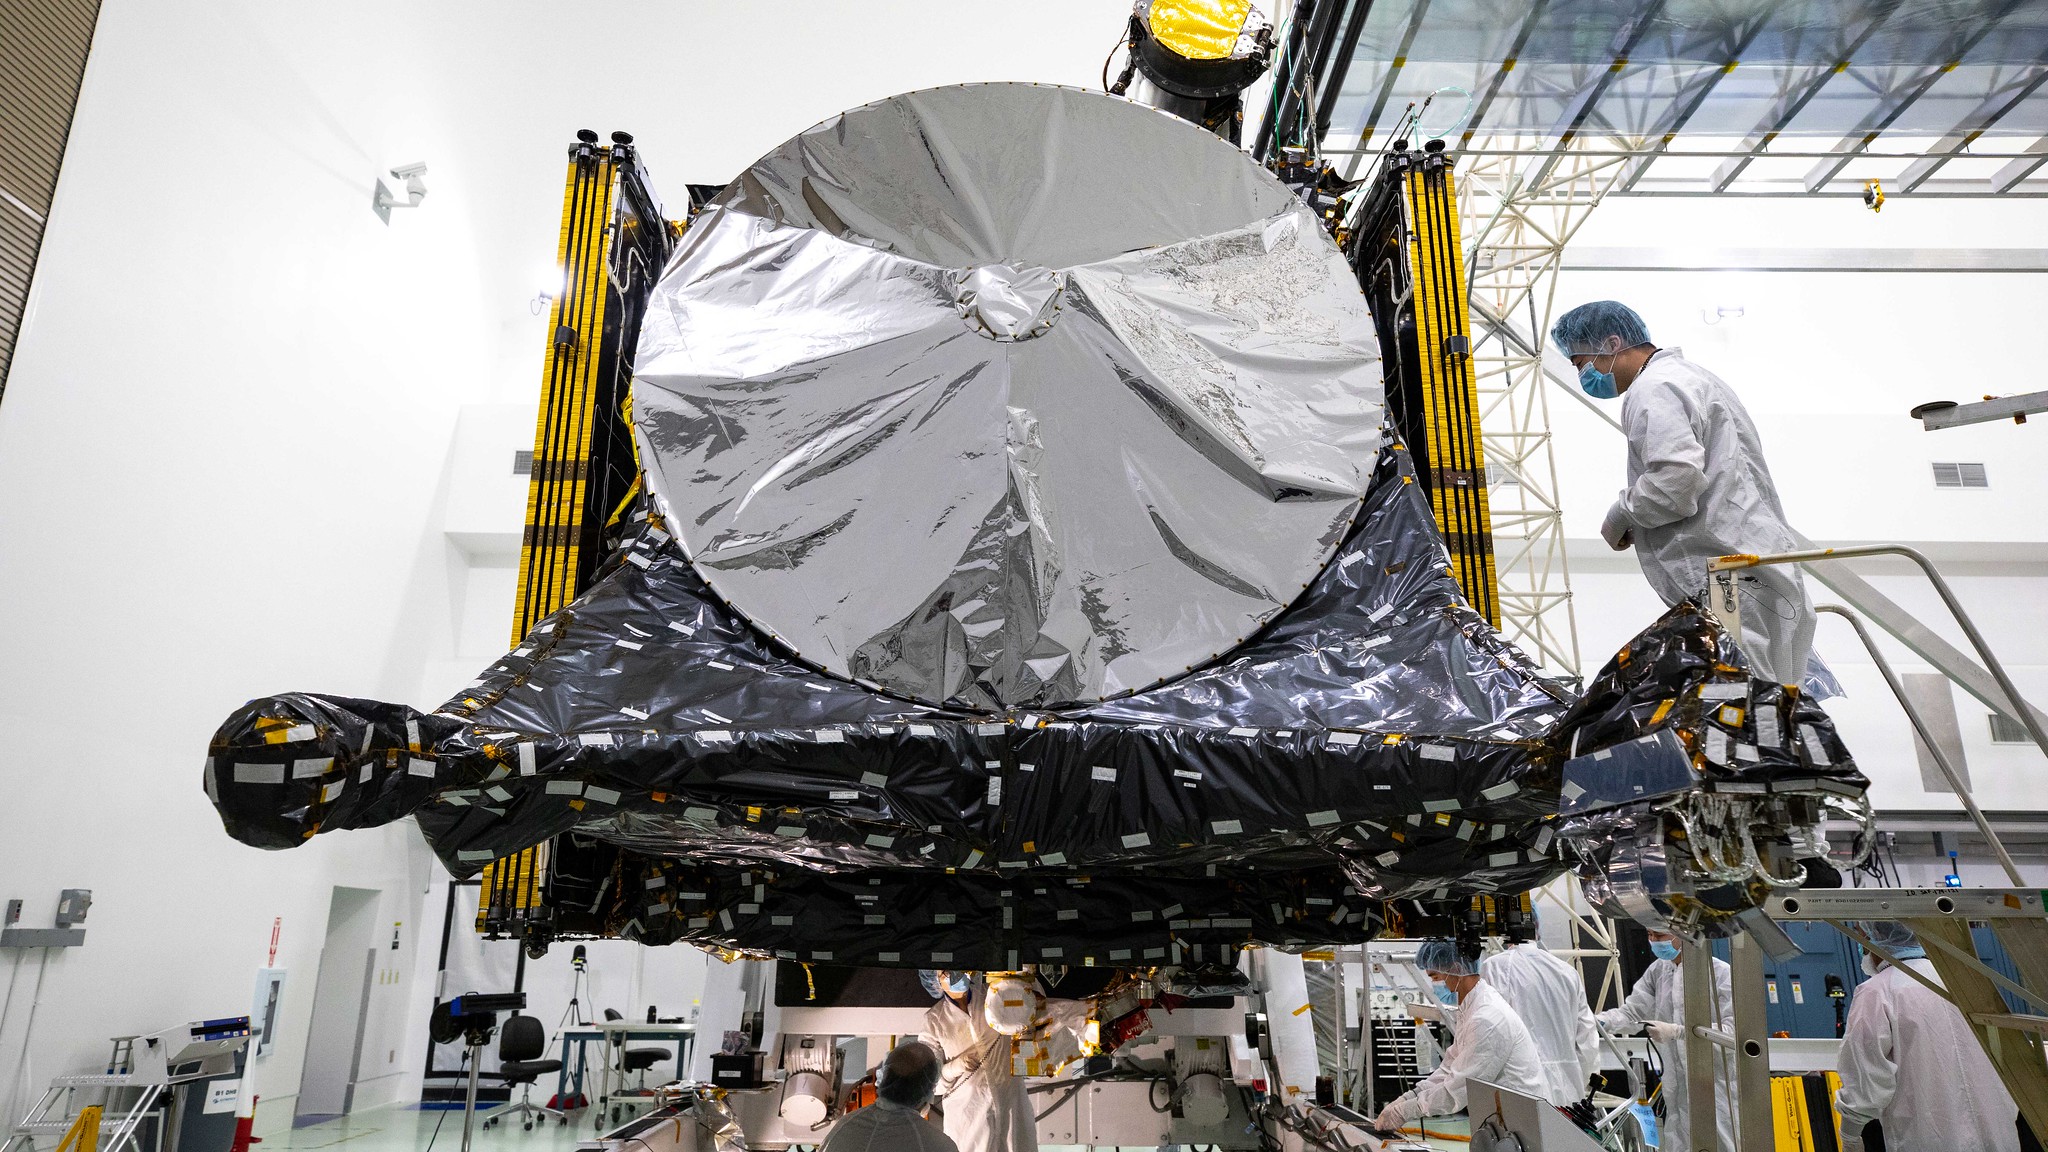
x=1663, y=1032
x=1615, y=529
x=1849, y=1141
x=1391, y=1117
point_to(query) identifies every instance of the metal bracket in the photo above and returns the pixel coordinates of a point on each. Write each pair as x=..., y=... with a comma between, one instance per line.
x=1938, y=414
x=41, y=937
x=383, y=200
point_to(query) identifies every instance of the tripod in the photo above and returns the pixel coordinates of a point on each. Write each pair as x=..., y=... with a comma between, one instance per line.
x=579, y=988
x=476, y=1033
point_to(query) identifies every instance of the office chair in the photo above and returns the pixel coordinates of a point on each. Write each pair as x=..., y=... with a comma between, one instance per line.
x=634, y=1059
x=520, y=1040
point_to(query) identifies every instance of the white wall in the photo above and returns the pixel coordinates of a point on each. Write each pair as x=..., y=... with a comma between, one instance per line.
x=228, y=452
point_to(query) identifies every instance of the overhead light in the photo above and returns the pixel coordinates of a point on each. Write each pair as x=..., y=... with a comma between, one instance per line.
x=550, y=290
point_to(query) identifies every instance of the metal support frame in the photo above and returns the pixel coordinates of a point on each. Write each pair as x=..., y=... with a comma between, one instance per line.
x=1603, y=106
x=1693, y=93
x=1935, y=417
x=1640, y=153
x=1386, y=91
x=1530, y=18
x=1598, y=929
x=1794, y=100
x=1941, y=918
x=2018, y=169
x=1579, y=108
x=1897, y=100
x=1516, y=228
x=1975, y=124
x=1696, y=972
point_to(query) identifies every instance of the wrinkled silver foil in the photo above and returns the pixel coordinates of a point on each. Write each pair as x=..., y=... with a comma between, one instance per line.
x=1007, y=395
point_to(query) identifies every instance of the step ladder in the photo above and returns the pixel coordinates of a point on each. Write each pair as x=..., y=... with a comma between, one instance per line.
x=64, y=1104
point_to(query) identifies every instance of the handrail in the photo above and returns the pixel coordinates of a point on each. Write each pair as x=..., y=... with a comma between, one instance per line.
x=1948, y=597
x=1948, y=770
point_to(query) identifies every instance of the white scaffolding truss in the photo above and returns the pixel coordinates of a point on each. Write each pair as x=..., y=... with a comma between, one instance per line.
x=1518, y=212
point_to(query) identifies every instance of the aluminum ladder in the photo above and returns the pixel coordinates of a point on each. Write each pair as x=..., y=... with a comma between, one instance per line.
x=61, y=1104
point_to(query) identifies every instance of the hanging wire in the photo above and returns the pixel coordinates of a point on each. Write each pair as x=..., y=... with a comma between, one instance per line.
x=1107, y=60
x=1282, y=36
x=1456, y=124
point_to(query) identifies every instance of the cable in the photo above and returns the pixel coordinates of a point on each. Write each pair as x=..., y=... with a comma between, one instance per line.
x=1062, y=1101
x=1121, y=41
x=7, y=1003
x=28, y=1031
x=1455, y=124
x=445, y=1111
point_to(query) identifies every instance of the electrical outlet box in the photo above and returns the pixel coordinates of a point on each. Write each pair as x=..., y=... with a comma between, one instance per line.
x=72, y=905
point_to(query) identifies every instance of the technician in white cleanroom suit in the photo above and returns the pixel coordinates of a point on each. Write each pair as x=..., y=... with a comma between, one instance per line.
x=1490, y=1042
x=1698, y=486
x=1910, y=1062
x=1549, y=996
x=987, y=1108
x=1657, y=1005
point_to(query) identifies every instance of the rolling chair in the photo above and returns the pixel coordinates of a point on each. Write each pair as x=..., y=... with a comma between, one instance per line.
x=633, y=1060
x=519, y=1041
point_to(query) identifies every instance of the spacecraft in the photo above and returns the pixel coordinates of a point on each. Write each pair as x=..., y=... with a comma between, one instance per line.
x=1022, y=566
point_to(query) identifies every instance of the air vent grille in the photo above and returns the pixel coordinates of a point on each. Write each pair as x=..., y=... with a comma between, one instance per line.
x=522, y=462
x=2006, y=730
x=1960, y=475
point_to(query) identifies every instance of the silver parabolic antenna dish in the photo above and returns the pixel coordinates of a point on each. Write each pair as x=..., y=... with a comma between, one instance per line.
x=1007, y=395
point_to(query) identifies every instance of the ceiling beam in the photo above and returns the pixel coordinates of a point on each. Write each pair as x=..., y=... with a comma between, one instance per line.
x=2019, y=169
x=1580, y=106
x=1792, y=101
x=1896, y=102
x=1966, y=131
x=1691, y=96
x=1500, y=76
x=1400, y=60
x=1857, y=260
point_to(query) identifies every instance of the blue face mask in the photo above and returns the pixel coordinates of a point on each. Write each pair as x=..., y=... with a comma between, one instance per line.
x=1444, y=993
x=1665, y=949
x=1597, y=384
x=955, y=983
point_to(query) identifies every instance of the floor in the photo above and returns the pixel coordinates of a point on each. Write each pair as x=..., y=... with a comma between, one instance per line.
x=409, y=1129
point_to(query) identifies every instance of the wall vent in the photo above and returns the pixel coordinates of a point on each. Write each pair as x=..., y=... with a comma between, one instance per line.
x=522, y=462
x=1499, y=477
x=42, y=59
x=1960, y=476
x=2006, y=730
